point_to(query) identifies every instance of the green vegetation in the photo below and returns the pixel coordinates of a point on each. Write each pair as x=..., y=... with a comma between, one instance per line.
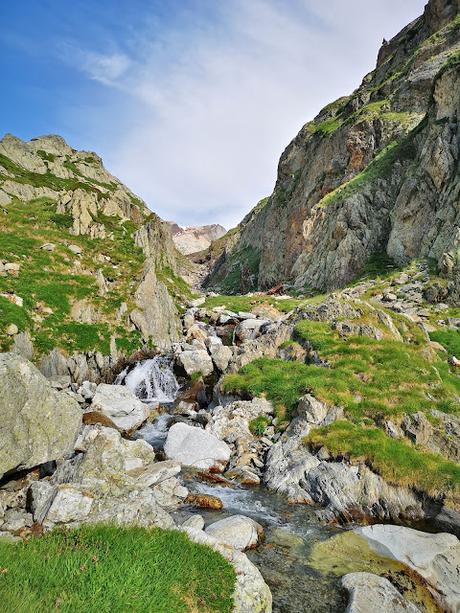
x=176, y=286
x=369, y=378
x=238, y=303
x=379, y=168
x=449, y=339
x=97, y=569
x=50, y=284
x=258, y=425
x=396, y=461
x=241, y=271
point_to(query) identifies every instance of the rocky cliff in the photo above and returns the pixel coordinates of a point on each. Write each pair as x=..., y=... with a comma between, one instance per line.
x=375, y=174
x=84, y=264
x=195, y=238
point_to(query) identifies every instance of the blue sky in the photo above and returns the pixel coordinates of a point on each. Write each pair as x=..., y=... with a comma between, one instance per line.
x=189, y=102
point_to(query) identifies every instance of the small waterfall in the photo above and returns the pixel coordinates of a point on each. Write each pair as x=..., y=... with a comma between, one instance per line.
x=151, y=379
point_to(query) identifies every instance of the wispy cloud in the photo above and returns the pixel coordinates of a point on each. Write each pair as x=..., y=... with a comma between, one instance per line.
x=106, y=68
x=211, y=101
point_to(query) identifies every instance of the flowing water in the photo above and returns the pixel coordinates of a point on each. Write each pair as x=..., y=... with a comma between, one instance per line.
x=151, y=379
x=283, y=557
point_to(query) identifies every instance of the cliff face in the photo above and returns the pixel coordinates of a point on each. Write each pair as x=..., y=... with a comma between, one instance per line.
x=195, y=238
x=84, y=264
x=374, y=174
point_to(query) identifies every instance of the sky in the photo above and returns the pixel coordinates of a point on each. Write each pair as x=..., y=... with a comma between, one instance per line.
x=189, y=102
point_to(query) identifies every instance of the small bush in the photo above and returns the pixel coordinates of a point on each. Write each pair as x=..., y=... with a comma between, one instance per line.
x=258, y=425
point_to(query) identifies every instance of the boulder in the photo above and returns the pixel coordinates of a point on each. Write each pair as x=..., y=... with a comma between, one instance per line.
x=436, y=557
x=37, y=423
x=194, y=447
x=249, y=329
x=370, y=592
x=238, y=531
x=196, y=361
x=221, y=355
x=118, y=403
x=110, y=480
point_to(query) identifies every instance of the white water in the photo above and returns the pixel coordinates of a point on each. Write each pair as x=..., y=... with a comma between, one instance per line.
x=151, y=380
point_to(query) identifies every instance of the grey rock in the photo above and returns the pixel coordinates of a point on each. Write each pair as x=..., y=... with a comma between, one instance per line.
x=120, y=405
x=238, y=531
x=370, y=593
x=196, y=360
x=37, y=423
x=194, y=447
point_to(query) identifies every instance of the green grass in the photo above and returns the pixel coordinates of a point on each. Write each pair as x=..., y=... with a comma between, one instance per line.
x=369, y=378
x=380, y=167
x=102, y=569
x=396, y=461
x=245, y=303
x=449, y=339
x=50, y=279
x=258, y=425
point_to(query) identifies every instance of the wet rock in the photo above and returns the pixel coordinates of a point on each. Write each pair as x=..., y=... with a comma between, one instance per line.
x=436, y=557
x=237, y=531
x=194, y=447
x=120, y=405
x=38, y=424
x=370, y=592
x=204, y=501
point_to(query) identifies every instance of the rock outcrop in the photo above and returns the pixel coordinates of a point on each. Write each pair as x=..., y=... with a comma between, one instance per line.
x=375, y=173
x=370, y=592
x=195, y=238
x=113, y=275
x=37, y=423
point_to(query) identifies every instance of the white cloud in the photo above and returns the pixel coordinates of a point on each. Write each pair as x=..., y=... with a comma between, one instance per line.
x=106, y=68
x=210, y=107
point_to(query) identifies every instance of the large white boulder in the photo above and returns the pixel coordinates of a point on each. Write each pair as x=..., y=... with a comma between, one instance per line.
x=37, y=423
x=194, y=447
x=249, y=329
x=436, y=557
x=370, y=592
x=196, y=361
x=120, y=405
x=238, y=531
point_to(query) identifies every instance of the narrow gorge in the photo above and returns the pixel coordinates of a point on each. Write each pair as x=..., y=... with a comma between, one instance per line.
x=264, y=419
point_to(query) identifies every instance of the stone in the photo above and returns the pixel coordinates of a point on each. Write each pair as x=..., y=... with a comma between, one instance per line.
x=194, y=447
x=87, y=389
x=22, y=344
x=68, y=505
x=75, y=249
x=196, y=361
x=37, y=423
x=221, y=356
x=370, y=593
x=11, y=330
x=48, y=247
x=204, y=501
x=194, y=521
x=249, y=329
x=14, y=299
x=120, y=405
x=436, y=557
x=252, y=594
x=417, y=428
x=12, y=267
x=238, y=531
x=16, y=519
x=60, y=382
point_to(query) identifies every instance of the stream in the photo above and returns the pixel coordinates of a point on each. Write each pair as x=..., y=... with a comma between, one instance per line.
x=290, y=530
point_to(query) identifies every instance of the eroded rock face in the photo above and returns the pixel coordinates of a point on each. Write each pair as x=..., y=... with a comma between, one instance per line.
x=195, y=238
x=370, y=592
x=194, y=447
x=37, y=423
x=405, y=204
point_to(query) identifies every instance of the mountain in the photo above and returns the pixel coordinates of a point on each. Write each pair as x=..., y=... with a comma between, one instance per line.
x=373, y=177
x=195, y=238
x=84, y=264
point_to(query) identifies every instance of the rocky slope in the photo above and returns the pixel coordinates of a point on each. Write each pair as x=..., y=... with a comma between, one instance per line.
x=374, y=174
x=85, y=266
x=195, y=238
